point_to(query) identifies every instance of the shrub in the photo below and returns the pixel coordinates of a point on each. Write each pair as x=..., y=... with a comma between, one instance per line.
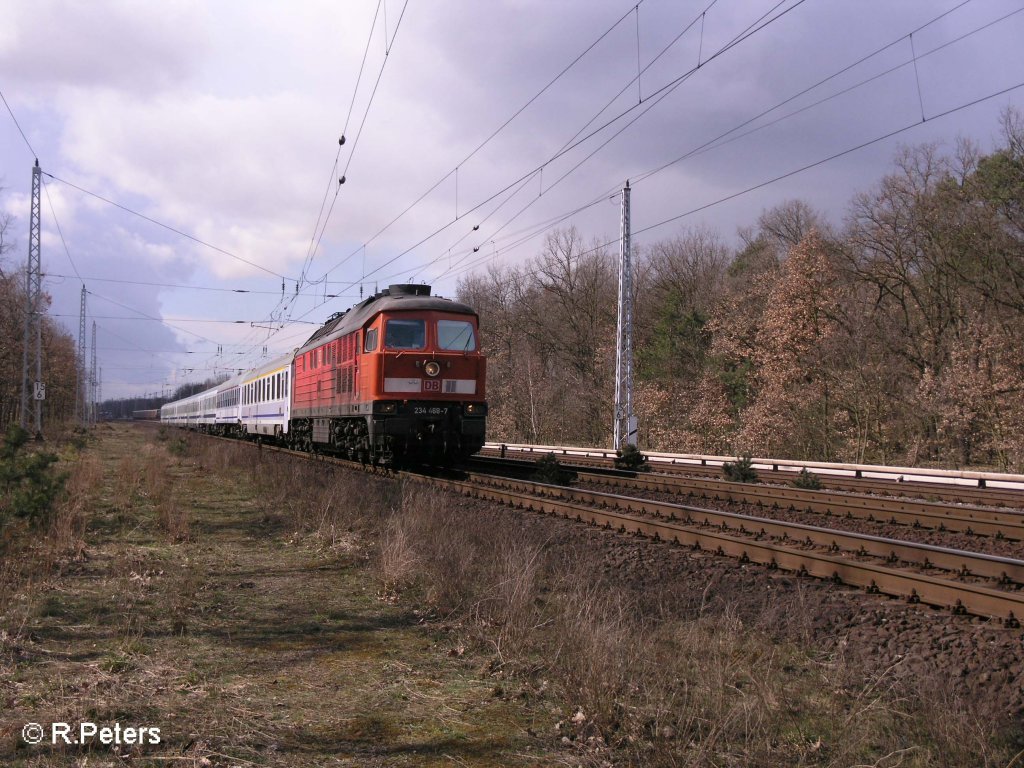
x=550, y=471
x=29, y=482
x=178, y=446
x=740, y=471
x=630, y=458
x=807, y=481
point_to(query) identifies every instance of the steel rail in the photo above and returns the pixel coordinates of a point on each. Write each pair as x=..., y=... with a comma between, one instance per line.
x=1002, y=569
x=960, y=597
x=978, y=478
x=922, y=514
x=989, y=495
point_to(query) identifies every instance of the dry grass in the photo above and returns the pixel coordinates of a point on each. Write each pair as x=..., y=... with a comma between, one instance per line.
x=258, y=640
x=67, y=530
x=34, y=554
x=642, y=685
x=308, y=497
x=613, y=677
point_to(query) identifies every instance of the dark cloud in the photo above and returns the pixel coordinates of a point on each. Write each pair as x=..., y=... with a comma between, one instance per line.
x=223, y=120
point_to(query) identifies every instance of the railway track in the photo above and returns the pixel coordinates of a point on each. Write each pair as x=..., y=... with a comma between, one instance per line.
x=983, y=585
x=821, y=552
x=851, y=481
x=999, y=523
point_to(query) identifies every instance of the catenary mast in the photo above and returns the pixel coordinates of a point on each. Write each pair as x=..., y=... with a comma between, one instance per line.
x=32, y=387
x=625, y=431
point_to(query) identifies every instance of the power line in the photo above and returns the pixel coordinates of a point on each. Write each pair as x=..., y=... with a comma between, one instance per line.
x=60, y=232
x=836, y=156
x=168, y=227
x=334, y=170
x=359, y=133
x=815, y=164
x=18, y=125
x=751, y=29
x=186, y=286
x=720, y=140
x=801, y=169
x=717, y=141
x=486, y=141
x=150, y=317
x=166, y=320
x=658, y=96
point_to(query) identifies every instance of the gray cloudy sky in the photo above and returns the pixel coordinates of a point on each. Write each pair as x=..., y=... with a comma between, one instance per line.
x=222, y=120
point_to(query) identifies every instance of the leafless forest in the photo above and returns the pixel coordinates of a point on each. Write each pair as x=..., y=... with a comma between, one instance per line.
x=891, y=337
x=59, y=369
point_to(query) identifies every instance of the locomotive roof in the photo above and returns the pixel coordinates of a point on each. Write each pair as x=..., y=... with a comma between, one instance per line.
x=394, y=298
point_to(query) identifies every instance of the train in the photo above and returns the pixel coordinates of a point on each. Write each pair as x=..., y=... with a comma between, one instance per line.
x=399, y=378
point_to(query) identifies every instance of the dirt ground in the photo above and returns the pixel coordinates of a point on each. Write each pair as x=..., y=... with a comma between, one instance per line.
x=244, y=645
x=237, y=605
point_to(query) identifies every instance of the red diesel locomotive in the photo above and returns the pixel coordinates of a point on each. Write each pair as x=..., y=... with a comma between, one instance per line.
x=398, y=378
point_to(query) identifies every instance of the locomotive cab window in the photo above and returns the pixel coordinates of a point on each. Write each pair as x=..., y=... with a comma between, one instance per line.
x=371, y=340
x=456, y=335
x=405, y=334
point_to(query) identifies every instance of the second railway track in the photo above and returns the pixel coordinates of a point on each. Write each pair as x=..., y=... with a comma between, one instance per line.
x=806, y=550
x=1000, y=523
x=851, y=482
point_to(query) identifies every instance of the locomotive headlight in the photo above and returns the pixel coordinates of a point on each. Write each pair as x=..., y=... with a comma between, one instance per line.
x=432, y=368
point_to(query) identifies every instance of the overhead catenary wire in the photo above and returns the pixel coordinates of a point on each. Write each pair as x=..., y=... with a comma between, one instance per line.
x=333, y=175
x=168, y=227
x=18, y=126
x=479, y=147
x=487, y=140
x=836, y=156
x=750, y=30
x=718, y=140
x=658, y=96
x=184, y=286
x=795, y=171
x=167, y=320
x=761, y=23
x=712, y=143
x=359, y=133
x=722, y=138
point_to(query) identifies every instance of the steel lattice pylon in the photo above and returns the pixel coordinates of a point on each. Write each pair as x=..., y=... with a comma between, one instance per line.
x=32, y=357
x=82, y=396
x=92, y=378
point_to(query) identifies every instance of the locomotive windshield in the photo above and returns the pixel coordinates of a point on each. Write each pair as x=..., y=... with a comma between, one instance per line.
x=405, y=334
x=455, y=335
